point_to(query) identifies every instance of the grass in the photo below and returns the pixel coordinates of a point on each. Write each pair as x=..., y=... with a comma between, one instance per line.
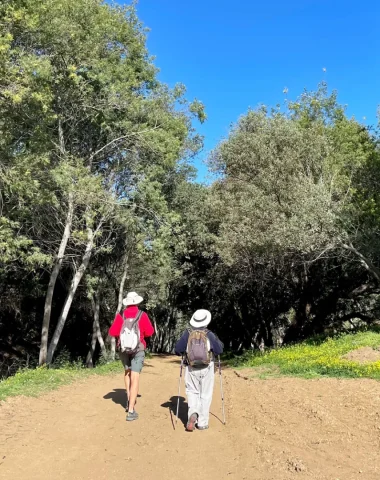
x=33, y=382
x=308, y=359
x=316, y=358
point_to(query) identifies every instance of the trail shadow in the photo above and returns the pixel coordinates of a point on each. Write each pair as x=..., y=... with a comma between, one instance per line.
x=168, y=357
x=175, y=360
x=118, y=396
x=172, y=406
x=147, y=365
x=213, y=414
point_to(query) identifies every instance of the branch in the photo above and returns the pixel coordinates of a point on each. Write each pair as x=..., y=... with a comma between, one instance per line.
x=368, y=265
x=360, y=290
x=360, y=315
x=123, y=137
x=330, y=247
x=61, y=138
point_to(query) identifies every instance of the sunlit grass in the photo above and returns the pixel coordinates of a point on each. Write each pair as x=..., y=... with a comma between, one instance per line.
x=310, y=359
x=33, y=382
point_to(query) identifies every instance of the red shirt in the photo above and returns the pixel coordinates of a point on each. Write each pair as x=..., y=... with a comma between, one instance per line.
x=146, y=328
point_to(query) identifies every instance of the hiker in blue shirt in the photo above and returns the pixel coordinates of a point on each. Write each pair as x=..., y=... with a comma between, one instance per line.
x=201, y=347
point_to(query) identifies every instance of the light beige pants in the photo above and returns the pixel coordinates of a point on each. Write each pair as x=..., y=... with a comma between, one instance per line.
x=199, y=390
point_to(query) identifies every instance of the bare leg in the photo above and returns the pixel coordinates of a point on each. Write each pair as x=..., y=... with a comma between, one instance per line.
x=134, y=390
x=127, y=381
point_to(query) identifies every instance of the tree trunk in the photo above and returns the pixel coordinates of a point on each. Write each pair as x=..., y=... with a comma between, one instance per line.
x=96, y=333
x=90, y=355
x=70, y=295
x=367, y=264
x=96, y=310
x=121, y=289
x=100, y=340
x=113, y=349
x=52, y=281
x=156, y=336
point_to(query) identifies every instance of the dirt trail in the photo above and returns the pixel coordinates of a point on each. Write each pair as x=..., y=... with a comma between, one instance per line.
x=277, y=429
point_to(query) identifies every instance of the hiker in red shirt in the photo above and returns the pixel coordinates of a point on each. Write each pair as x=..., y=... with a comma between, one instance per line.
x=132, y=327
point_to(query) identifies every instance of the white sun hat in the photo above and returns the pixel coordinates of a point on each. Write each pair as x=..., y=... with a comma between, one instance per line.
x=201, y=318
x=132, y=298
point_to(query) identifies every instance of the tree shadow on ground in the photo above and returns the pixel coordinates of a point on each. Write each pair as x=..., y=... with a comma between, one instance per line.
x=172, y=406
x=175, y=360
x=118, y=396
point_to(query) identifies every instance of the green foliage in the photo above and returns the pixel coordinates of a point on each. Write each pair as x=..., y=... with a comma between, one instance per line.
x=310, y=359
x=289, y=179
x=274, y=194
x=95, y=178
x=85, y=128
x=34, y=382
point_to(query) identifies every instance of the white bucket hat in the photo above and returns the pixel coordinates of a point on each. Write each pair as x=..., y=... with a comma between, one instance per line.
x=201, y=318
x=132, y=298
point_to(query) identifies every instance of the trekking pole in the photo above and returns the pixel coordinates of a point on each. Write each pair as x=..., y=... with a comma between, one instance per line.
x=221, y=390
x=179, y=389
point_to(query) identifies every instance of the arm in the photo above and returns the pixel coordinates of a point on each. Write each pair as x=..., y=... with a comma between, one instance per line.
x=181, y=345
x=146, y=326
x=216, y=344
x=115, y=328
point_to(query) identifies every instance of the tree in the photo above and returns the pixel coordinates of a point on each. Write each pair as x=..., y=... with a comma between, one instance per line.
x=82, y=101
x=285, y=201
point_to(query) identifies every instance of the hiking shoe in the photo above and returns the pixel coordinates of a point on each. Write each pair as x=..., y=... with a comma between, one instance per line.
x=132, y=416
x=205, y=427
x=191, y=422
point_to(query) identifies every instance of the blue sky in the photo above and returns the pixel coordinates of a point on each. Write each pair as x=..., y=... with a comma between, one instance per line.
x=237, y=54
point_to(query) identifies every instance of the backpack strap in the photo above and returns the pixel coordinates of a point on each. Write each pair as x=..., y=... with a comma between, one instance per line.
x=137, y=317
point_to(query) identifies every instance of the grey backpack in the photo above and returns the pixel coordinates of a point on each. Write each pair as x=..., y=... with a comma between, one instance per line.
x=198, y=348
x=130, y=334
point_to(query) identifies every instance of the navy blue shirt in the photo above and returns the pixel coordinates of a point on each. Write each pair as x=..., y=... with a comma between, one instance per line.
x=216, y=346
